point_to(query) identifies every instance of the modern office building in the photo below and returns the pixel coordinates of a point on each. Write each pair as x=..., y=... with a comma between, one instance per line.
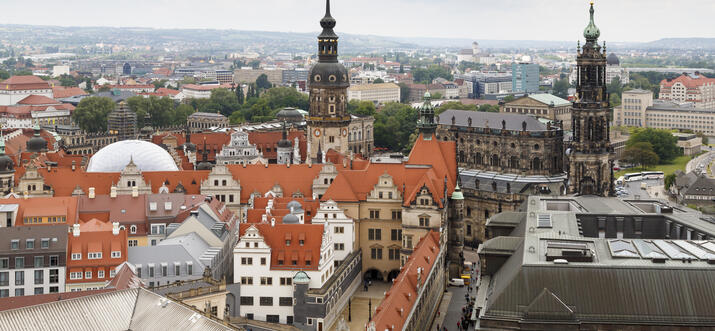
x=525, y=76
x=378, y=93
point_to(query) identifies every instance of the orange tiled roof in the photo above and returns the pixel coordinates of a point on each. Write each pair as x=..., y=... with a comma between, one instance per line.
x=16, y=83
x=275, y=237
x=400, y=299
x=101, y=240
x=270, y=139
x=214, y=142
x=262, y=178
x=167, y=91
x=688, y=81
x=60, y=92
x=38, y=100
x=280, y=209
x=43, y=206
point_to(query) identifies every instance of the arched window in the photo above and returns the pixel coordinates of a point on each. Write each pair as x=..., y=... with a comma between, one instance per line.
x=133, y=229
x=514, y=162
x=494, y=186
x=461, y=156
x=478, y=158
x=469, y=211
x=536, y=164
x=495, y=160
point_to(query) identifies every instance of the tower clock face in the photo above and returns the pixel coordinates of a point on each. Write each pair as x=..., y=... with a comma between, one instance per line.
x=345, y=133
x=316, y=132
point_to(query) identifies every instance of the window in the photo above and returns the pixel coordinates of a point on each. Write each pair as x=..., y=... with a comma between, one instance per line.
x=339, y=246
x=54, y=289
x=246, y=280
x=39, y=261
x=54, y=276
x=38, y=290
x=19, y=278
x=394, y=253
x=407, y=242
x=164, y=270
x=75, y=275
x=94, y=256
x=266, y=301
x=396, y=234
x=30, y=244
x=133, y=243
x=374, y=214
x=339, y=229
x=151, y=271
x=331, y=139
x=396, y=214
x=285, y=301
x=286, y=281
x=376, y=253
x=246, y=301
x=54, y=260
x=100, y=274
x=112, y=272
x=76, y=256
x=19, y=292
x=189, y=269
x=247, y=260
x=116, y=254
x=19, y=262
x=4, y=263
x=15, y=244
x=374, y=234
x=177, y=269
x=88, y=275
x=263, y=261
x=158, y=228
x=424, y=221
x=133, y=229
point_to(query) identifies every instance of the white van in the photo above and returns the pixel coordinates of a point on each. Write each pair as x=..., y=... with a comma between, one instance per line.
x=456, y=282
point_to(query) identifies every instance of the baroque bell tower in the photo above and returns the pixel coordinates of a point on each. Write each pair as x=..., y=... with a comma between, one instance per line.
x=328, y=82
x=591, y=155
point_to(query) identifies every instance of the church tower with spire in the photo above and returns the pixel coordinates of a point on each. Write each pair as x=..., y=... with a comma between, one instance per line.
x=591, y=155
x=328, y=82
x=426, y=123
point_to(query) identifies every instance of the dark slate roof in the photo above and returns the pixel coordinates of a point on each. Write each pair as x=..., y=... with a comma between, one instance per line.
x=514, y=122
x=517, y=183
x=702, y=185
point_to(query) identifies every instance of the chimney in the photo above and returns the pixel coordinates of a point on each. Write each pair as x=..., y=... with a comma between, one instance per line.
x=264, y=218
x=74, y=165
x=113, y=192
x=115, y=228
x=273, y=222
x=91, y=193
x=75, y=230
x=135, y=192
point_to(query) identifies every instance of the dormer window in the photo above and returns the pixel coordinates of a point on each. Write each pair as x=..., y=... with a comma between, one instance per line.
x=287, y=242
x=301, y=242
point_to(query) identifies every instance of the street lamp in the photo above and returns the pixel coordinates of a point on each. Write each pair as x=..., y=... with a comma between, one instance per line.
x=350, y=315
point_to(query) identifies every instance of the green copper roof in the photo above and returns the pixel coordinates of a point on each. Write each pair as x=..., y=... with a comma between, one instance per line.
x=457, y=194
x=591, y=32
x=301, y=278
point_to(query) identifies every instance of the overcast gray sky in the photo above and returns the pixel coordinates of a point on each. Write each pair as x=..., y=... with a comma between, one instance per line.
x=619, y=20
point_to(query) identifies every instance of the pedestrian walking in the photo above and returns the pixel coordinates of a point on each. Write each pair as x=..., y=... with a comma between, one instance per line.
x=459, y=325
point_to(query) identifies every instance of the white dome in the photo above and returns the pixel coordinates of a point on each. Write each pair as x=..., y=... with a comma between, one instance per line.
x=146, y=156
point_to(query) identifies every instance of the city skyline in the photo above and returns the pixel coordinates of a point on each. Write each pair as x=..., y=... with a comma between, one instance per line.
x=552, y=20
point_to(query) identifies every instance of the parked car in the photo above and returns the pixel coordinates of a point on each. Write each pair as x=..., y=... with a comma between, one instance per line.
x=456, y=282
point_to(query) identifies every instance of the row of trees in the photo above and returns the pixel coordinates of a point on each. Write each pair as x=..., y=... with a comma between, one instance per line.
x=647, y=147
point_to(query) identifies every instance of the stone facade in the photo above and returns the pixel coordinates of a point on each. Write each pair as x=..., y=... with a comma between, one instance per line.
x=239, y=151
x=361, y=135
x=591, y=157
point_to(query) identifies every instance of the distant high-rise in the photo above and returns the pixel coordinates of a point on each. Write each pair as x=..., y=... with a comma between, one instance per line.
x=591, y=155
x=525, y=76
x=328, y=119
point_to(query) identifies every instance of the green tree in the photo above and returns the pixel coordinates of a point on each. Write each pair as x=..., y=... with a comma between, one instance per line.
x=361, y=108
x=181, y=114
x=159, y=83
x=239, y=95
x=91, y=113
x=436, y=96
x=427, y=75
x=509, y=98
x=641, y=153
x=262, y=82
x=223, y=101
x=4, y=74
x=561, y=88
x=394, y=125
x=67, y=81
x=669, y=181
x=404, y=92
x=378, y=81
x=663, y=142
x=615, y=100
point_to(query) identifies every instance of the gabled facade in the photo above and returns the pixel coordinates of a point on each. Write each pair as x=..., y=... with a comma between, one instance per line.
x=94, y=250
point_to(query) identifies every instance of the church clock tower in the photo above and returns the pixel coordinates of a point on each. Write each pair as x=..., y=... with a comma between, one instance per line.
x=591, y=155
x=328, y=82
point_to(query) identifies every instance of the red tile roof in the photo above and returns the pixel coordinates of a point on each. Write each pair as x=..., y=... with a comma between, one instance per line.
x=270, y=139
x=60, y=92
x=214, y=142
x=280, y=209
x=16, y=83
x=431, y=161
x=166, y=91
x=262, y=178
x=275, y=237
x=400, y=299
x=101, y=239
x=688, y=81
x=42, y=206
x=38, y=100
